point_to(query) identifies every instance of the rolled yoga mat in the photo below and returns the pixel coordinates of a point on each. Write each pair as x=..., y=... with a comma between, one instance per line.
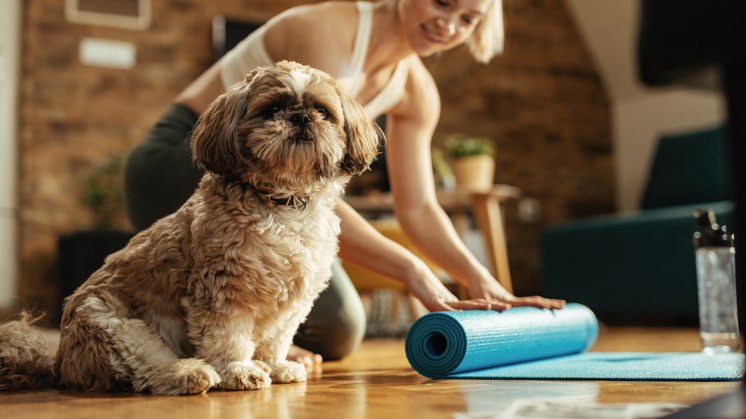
x=532, y=343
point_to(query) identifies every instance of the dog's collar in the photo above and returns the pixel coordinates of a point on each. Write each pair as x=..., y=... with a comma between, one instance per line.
x=297, y=202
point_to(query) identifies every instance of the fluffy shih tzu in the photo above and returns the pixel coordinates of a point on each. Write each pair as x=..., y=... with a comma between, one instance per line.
x=211, y=295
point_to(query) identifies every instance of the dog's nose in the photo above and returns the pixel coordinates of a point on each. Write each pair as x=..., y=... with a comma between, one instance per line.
x=300, y=119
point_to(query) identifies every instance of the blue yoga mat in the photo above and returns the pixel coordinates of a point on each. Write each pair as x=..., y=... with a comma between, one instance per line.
x=532, y=343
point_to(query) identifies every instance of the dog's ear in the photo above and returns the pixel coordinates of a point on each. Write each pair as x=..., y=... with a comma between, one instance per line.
x=363, y=137
x=216, y=139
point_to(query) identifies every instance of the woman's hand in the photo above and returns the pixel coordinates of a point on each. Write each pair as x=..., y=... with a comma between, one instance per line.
x=427, y=288
x=486, y=287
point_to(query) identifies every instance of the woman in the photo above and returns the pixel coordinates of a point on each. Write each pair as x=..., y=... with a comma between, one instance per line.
x=373, y=50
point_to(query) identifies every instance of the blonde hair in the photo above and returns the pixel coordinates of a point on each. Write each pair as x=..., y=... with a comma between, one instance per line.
x=488, y=38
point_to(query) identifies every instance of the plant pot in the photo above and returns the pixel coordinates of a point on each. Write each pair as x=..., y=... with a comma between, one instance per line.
x=474, y=173
x=81, y=253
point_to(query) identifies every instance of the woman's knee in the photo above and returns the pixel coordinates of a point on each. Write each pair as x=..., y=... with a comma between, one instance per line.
x=338, y=340
x=336, y=325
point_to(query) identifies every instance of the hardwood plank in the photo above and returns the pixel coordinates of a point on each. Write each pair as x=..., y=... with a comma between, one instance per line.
x=377, y=382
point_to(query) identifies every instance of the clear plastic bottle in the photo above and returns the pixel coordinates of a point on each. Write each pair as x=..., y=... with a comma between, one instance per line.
x=716, y=285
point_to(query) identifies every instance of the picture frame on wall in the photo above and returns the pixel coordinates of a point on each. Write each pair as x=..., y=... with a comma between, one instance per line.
x=126, y=14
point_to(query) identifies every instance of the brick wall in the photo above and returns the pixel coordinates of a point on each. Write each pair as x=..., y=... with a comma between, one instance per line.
x=542, y=101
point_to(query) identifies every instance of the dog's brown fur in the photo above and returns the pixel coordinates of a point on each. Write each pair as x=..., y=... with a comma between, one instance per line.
x=211, y=296
x=25, y=359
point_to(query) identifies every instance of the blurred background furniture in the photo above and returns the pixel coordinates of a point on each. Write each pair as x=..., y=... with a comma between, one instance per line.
x=633, y=267
x=81, y=253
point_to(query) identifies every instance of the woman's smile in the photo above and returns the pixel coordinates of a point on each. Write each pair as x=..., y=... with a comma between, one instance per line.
x=438, y=33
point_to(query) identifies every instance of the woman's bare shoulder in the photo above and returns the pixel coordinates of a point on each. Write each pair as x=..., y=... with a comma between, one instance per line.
x=316, y=14
x=420, y=77
x=320, y=35
x=421, y=99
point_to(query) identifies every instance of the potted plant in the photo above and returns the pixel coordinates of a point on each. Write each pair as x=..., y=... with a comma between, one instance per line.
x=103, y=194
x=442, y=171
x=472, y=160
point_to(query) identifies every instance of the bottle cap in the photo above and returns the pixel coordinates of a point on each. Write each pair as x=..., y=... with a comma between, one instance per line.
x=710, y=233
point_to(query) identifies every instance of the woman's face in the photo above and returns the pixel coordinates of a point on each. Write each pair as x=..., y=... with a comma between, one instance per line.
x=433, y=26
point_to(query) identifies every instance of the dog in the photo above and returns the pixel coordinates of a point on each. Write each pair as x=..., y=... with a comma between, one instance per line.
x=210, y=296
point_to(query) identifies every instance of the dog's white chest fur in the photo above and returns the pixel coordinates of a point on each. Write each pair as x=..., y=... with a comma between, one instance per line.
x=272, y=256
x=296, y=254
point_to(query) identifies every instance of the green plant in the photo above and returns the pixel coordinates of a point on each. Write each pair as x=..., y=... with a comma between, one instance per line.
x=441, y=169
x=462, y=146
x=103, y=193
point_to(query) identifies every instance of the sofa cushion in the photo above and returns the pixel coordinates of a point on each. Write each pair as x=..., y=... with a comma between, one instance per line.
x=687, y=169
x=628, y=266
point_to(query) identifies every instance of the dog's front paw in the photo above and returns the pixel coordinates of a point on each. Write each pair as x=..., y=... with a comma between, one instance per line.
x=245, y=375
x=287, y=372
x=186, y=376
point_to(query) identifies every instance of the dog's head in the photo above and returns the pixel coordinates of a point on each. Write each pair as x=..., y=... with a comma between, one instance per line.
x=287, y=125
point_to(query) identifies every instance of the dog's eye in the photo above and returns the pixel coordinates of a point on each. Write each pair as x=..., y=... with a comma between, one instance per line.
x=323, y=111
x=270, y=111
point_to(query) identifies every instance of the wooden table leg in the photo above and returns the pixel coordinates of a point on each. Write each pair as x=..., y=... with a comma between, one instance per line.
x=489, y=218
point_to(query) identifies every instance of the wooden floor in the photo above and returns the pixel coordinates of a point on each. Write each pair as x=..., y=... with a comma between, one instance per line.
x=377, y=382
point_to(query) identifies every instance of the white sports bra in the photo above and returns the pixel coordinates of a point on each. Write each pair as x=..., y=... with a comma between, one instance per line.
x=250, y=53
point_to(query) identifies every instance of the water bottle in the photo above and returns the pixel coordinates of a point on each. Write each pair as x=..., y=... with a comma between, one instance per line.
x=716, y=285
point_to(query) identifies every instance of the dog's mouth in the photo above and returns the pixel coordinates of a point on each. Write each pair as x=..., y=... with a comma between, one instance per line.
x=303, y=136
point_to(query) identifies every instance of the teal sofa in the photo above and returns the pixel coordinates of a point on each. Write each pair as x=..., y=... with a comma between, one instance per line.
x=639, y=267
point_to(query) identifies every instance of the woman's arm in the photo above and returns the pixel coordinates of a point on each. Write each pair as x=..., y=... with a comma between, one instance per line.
x=409, y=130
x=363, y=245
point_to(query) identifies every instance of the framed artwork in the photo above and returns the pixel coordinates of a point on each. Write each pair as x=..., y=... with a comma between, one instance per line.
x=127, y=14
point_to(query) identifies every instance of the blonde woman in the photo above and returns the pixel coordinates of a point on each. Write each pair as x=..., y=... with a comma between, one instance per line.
x=374, y=51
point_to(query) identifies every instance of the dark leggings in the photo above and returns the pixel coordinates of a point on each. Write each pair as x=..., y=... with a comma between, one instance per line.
x=160, y=176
